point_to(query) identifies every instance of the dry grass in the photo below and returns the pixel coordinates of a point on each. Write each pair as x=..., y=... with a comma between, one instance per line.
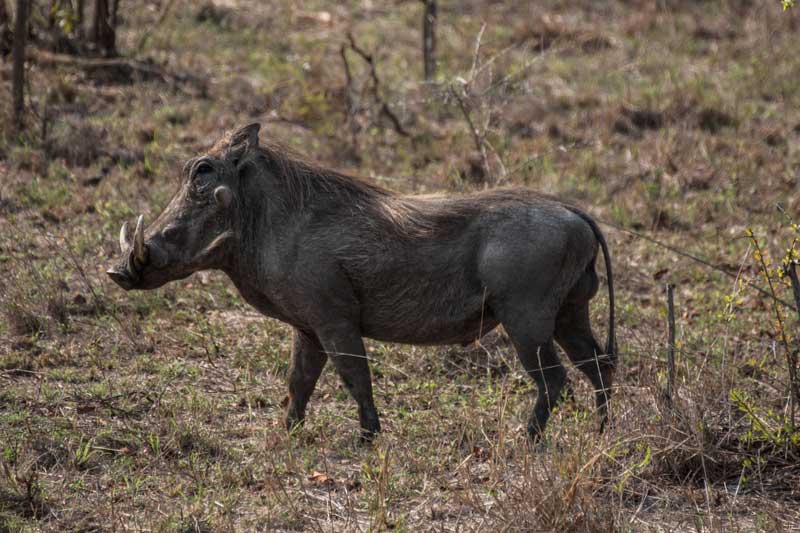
x=162, y=410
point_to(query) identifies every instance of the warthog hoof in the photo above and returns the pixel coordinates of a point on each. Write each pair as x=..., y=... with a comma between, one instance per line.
x=370, y=427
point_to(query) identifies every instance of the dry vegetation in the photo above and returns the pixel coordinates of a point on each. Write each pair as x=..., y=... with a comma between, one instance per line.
x=162, y=410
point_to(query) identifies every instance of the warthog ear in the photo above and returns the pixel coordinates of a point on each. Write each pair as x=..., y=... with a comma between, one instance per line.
x=243, y=141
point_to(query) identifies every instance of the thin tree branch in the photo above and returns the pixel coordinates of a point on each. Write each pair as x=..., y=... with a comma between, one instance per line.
x=376, y=83
x=477, y=137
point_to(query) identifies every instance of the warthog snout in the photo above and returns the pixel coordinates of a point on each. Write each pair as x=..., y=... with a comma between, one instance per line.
x=121, y=278
x=193, y=233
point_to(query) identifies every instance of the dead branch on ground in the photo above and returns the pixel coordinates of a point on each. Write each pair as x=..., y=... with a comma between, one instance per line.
x=120, y=70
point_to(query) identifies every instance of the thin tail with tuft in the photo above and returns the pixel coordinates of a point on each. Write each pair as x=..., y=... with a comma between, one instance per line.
x=611, y=340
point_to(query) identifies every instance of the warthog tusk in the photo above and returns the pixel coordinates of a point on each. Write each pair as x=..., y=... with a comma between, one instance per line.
x=139, y=251
x=124, y=238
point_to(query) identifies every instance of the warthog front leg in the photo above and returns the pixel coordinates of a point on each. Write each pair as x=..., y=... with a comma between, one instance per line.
x=346, y=350
x=308, y=360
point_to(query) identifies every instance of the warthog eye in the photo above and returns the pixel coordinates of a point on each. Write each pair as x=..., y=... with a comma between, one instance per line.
x=204, y=168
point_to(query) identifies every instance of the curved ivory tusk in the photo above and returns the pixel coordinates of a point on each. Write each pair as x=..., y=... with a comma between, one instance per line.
x=139, y=251
x=124, y=238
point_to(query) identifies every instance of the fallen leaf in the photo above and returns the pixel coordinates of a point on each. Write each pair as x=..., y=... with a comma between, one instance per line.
x=321, y=480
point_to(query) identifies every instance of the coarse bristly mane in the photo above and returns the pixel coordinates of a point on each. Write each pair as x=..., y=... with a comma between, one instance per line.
x=310, y=185
x=303, y=178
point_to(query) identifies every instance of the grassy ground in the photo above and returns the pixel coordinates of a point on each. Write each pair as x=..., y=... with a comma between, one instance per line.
x=162, y=410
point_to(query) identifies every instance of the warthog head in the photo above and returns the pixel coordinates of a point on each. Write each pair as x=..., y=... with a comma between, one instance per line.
x=196, y=231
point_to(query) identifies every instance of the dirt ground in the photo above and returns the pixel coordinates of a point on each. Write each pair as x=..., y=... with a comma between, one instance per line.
x=676, y=124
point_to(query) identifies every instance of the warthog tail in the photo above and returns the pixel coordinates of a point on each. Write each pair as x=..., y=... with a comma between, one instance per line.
x=611, y=340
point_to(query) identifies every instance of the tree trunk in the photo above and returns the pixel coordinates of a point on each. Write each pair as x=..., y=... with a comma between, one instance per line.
x=5, y=29
x=429, y=38
x=4, y=18
x=79, y=17
x=114, y=6
x=18, y=83
x=103, y=32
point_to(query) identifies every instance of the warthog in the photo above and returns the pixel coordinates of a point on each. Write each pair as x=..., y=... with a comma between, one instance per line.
x=339, y=259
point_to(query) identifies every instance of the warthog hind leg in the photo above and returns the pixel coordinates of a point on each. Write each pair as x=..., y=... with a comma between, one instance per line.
x=544, y=366
x=574, y=334
x=532, y=339
x=308, y=360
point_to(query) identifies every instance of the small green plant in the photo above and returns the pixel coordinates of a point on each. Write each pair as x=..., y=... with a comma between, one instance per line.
x=155, y=444
x=766, y=426
x=83, y=453
x=776, y=279
x=634, y=469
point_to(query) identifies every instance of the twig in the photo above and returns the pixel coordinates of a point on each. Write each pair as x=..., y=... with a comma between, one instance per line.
x=348, y=76
x=350, y=105
x=477, y=138
x=791, y=362
x=670, y=343
x=18, y=70
x=476, y=54
x=791, y=269
x=429, y=38
x=464, y=96
x=376, y=83
x=152, y=27
x=694, y=258
x=500, y=165
x=370, y=359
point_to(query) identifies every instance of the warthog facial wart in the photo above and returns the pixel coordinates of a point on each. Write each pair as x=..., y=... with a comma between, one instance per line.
x=339, y=259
